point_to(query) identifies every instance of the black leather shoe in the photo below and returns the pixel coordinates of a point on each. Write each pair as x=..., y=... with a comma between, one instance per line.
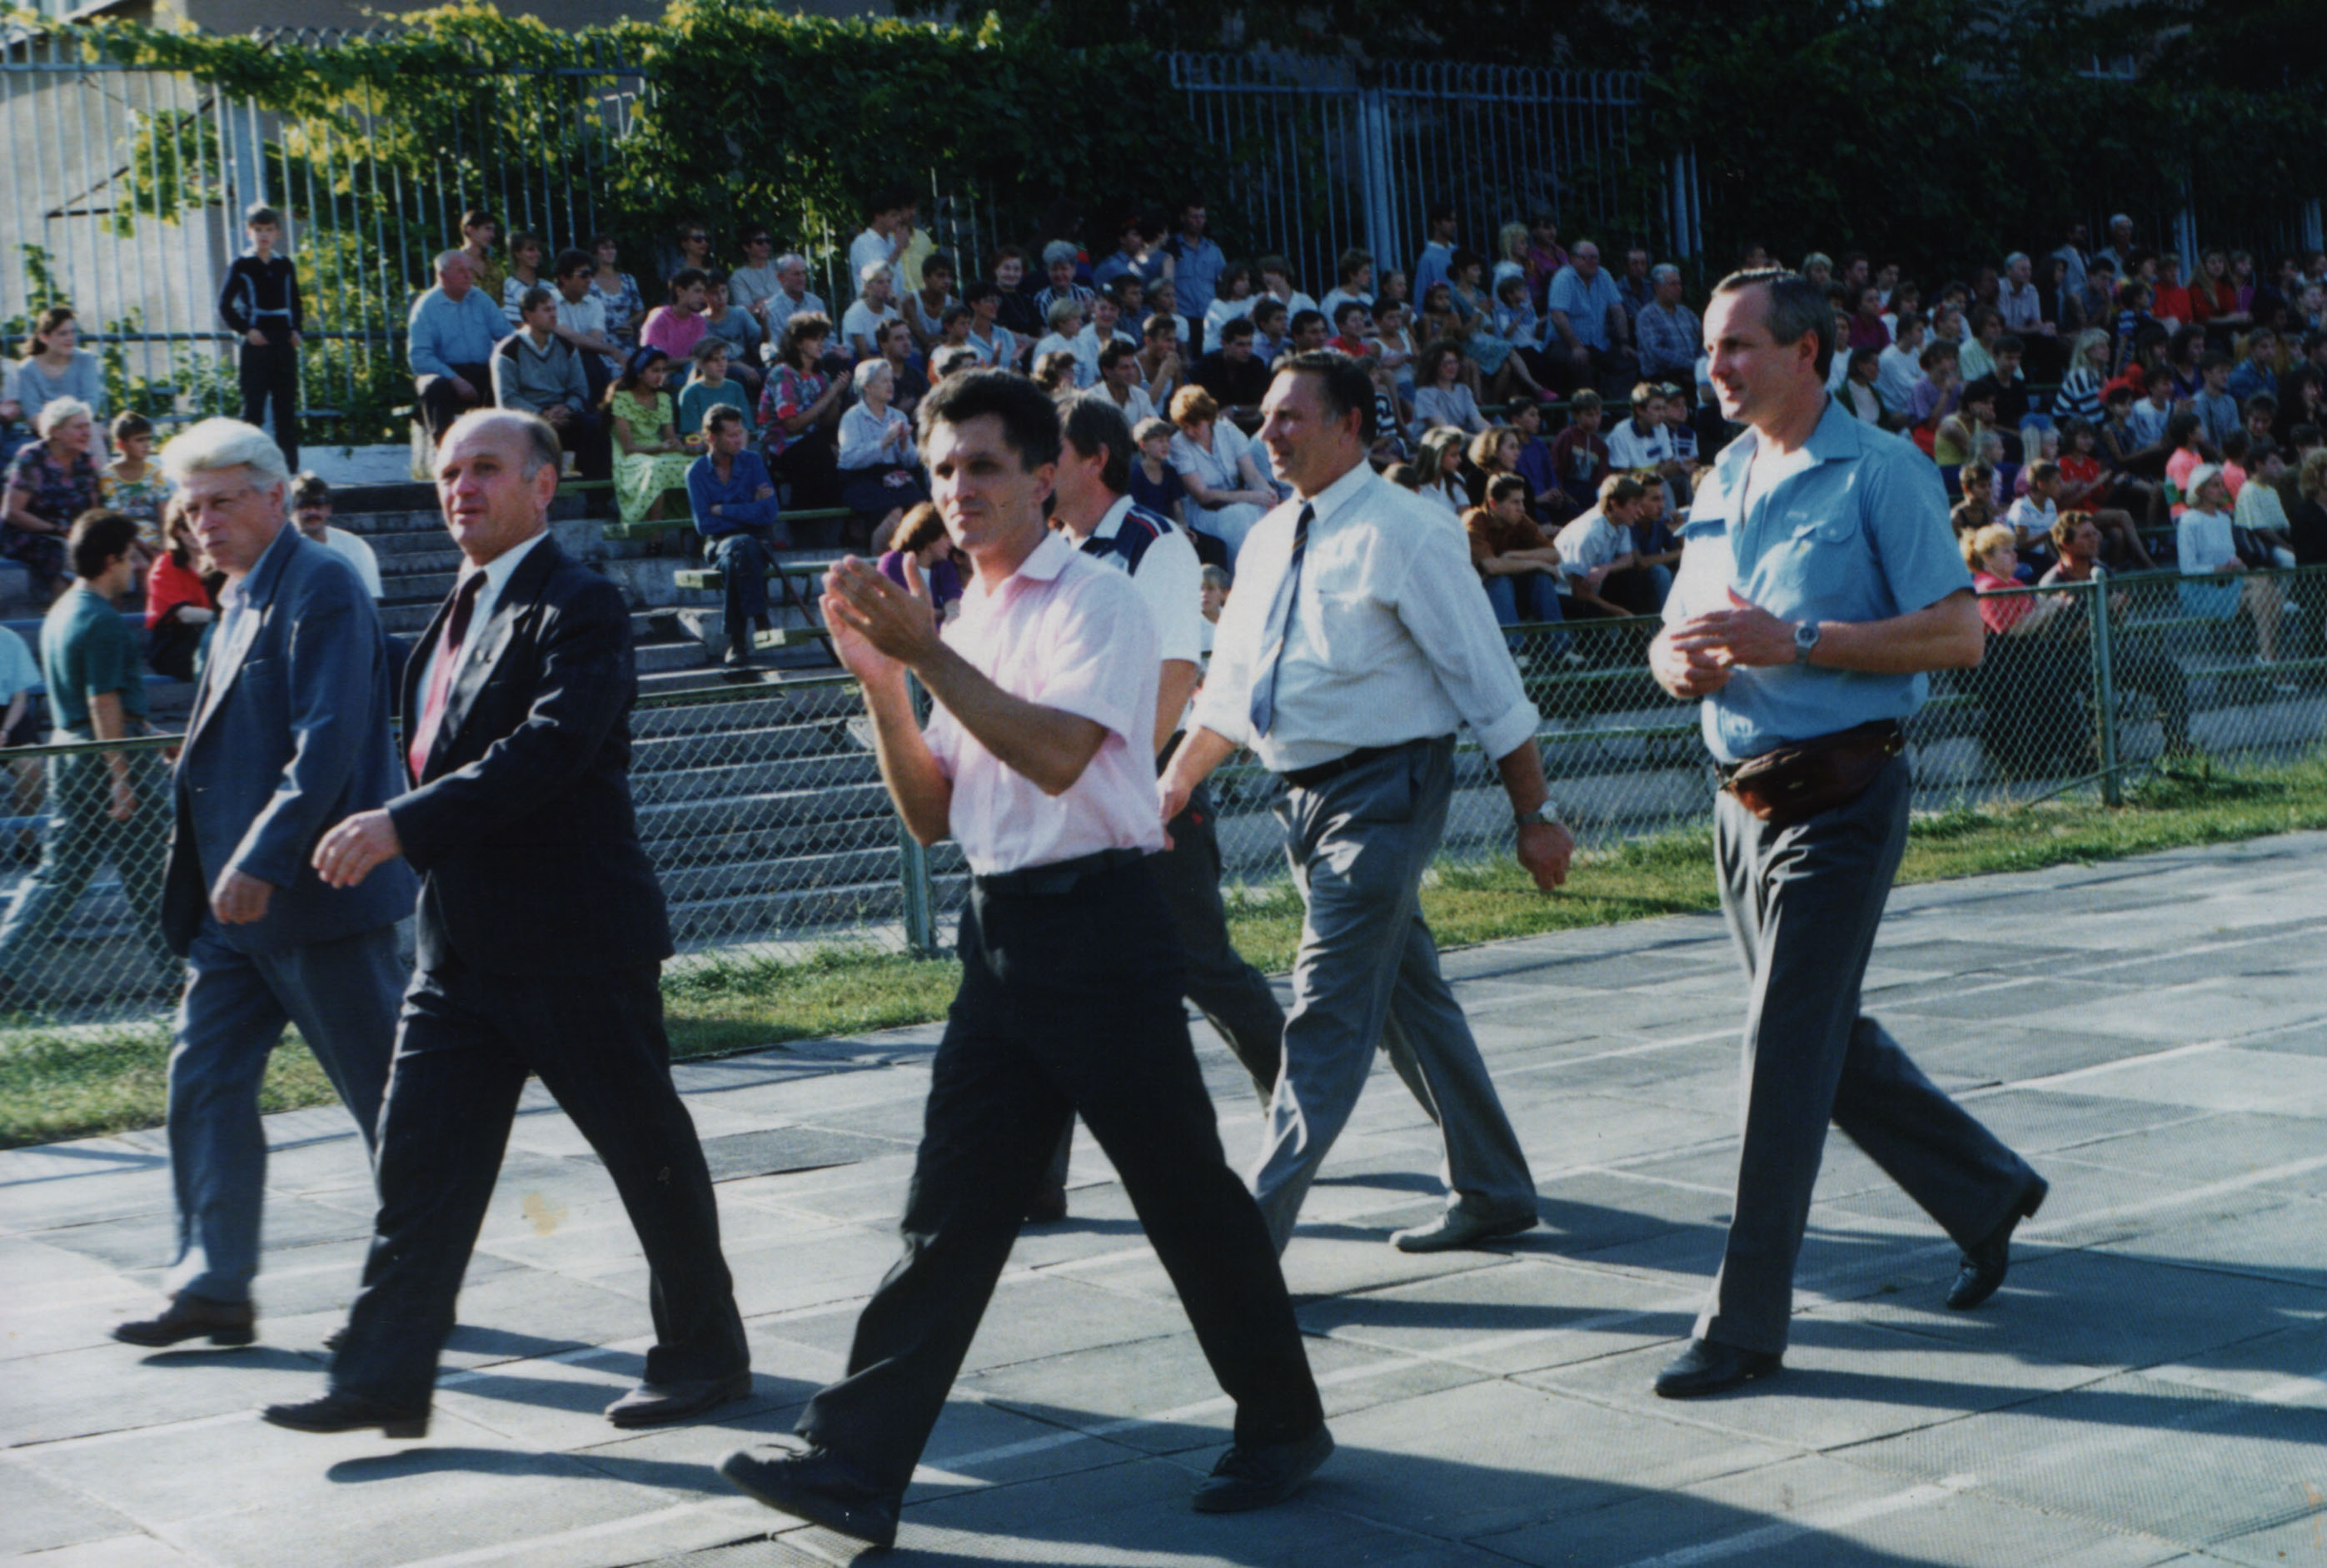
x=348, y=1412
x=1048, y=1205
x=660, y=1404
x=1256, y=1475
x=820, y=1486
x=193, y=1317
x=1710, y=1367
x=1458, y=1228
x=1984, y=1266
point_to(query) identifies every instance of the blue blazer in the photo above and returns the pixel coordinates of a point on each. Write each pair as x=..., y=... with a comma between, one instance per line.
x=289, y=736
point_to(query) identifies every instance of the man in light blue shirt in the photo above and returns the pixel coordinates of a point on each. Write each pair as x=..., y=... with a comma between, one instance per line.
x=1820, y=581
x=449, y=340
x=1587, y=332
x=1192, y=263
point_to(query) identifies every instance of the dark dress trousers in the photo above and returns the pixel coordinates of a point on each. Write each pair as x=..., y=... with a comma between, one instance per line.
x=541, y=934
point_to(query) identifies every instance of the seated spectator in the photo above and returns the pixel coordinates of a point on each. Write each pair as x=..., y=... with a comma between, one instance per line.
x=1054, y=373
x=1656, y=547
x=1579, y=457
x=1161, y=368
x=526, y=253
x=54, y=366
x=734, y=499
x=1977, y=357
x=2306, y=525
x=2216, y=580
x=1215, y=463
x=2031, y=724
x=649, y=457
x=1119, y=383
x=479, y=231
x=1519, y=566
x=1132, y=256
x=1066, y=323
x=1548, y=501
x=1153, y=482
x=1017, y=310
x=2088, y=371
x=1233, y=375
x=1440, y=397
x=753, y=285
x=1897, y=369
x=2186, y=456
x=1396, y=347
x=1544, y=256
x=1597, y=556
x=1272, y=336
x=800, y=408
x=1059, y=260
x=1936, y=394
x=1867, y=328
x=1590, y=332
x=1276, y=276
x=1103, y=325
x=2171, y=301
x=1436, y=259
x=181, y=600
x=1440, y=458
x=678, y=325
x=1353, y=330
x=1502, y=370
x=539, y=372
x=1232, y=303
x=2030, y=516
x=449, y=342
x=1645, y=440
x=582, y=324
x=879, y=469
x=874, y=306
x=882, y=241
x=617, y=293
x=1353, y=283
x=911, y=382
x=793, y=297
x=1857, y=395
x=132, y=483
x=995, y=345
x=1404, y=475
x=1667, y=331
x=738, y=327
x=2257, y=512
x=311, y=508
x=2134, y=663
x=53, y=482
x=710, y=387
x=2257, y=372
x=921, y=538
x=924, y=308
x=1957, y=439
x=1489, y=454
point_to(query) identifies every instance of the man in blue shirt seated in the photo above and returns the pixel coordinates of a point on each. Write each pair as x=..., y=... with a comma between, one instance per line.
x=735, y=511
x=1588, y=335
x=450, y=341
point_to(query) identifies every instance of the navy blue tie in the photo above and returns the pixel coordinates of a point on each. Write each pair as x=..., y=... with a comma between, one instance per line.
x=1280, y=622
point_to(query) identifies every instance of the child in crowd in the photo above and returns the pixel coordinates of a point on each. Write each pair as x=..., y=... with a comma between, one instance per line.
x=711, y=387
x=1579, y=457
x=132, y=483
x=735, y=327
x=260, y=301
x=1154, y=483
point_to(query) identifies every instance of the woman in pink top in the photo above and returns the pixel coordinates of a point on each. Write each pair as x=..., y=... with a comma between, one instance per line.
x=676, y=327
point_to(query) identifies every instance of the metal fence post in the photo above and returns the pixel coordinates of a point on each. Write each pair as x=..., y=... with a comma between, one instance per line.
x=2105, y=693
x=917, y=895
x=1374, y=154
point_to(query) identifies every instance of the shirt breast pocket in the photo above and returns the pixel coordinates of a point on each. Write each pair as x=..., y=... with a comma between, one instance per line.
x=1346, y=630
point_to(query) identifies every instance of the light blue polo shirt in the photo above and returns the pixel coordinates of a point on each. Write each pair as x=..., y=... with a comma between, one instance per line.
x=1858, y=531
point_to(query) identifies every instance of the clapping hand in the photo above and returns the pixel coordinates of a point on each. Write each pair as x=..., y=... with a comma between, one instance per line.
x=878, y=629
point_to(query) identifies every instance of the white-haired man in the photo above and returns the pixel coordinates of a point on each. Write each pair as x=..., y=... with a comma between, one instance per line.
x=449, y=342
x=289, y=735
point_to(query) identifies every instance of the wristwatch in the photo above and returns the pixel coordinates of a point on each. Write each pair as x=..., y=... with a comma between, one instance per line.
x=1547, y=813
x=1806, y=638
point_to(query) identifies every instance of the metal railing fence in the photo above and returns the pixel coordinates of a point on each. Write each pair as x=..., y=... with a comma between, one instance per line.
x=765, y=817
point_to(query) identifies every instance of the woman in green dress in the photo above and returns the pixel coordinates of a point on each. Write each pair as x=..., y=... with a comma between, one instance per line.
x=649, y=457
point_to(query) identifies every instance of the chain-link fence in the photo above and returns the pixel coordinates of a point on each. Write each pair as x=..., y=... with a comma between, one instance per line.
x=763, y=809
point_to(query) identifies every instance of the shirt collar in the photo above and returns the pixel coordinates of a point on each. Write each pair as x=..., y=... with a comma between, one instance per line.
x=1345, y=490
x=503, y=566
x=1111, y=524
x=1836, y=438
x=1048, y=559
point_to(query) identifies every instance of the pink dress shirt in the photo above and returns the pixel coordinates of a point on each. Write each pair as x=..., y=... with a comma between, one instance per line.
x=1068, y=632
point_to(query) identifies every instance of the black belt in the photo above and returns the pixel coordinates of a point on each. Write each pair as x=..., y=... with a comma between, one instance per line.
x=1310, y=778
x=1060, y=876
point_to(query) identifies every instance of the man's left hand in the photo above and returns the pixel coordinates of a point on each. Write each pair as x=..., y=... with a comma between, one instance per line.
x=1744, y=634
x=239, y=899
x=349, y=851
x=897, y=622
x=1544, y=849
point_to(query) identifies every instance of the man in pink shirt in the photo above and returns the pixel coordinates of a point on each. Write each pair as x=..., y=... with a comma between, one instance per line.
x=1039, y=762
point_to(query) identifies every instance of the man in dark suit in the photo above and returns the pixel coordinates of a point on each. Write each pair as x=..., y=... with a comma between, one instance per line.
x=289, y=735
x=541, y=937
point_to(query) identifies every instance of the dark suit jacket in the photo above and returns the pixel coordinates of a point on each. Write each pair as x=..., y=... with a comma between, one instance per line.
x=521, y=824
x=290, y=734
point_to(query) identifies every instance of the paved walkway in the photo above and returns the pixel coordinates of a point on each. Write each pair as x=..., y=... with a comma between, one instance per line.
x=2150, y=1388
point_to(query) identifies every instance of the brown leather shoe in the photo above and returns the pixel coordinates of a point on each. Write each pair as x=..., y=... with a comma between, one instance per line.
x=191, y=1318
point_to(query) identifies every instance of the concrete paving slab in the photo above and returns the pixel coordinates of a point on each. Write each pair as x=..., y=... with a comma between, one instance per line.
x=2148, y=1386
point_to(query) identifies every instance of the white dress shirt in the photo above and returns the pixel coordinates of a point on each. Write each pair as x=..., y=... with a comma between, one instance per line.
x=1065, y=632
x=497, y=572
x=1390, y=639
x=1134, y=408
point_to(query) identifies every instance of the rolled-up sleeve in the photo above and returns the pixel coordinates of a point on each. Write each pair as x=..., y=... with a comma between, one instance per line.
x=1439, y=603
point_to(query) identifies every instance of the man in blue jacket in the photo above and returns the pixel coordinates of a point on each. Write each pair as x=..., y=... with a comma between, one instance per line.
x=289, y=735
x=734, y=504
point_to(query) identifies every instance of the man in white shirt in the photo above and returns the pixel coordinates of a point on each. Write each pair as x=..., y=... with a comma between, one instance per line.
x=1899, y=368
x=883, y=242
x=791, y=297
x=1039, y=760
x=1596, y=556
x=1119, y=384
x=582, y=322
x=311, y=508
x=1094, y=473
x=1356, y=643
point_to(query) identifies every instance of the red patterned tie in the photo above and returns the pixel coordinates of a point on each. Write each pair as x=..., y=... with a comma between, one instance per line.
x=440, y=679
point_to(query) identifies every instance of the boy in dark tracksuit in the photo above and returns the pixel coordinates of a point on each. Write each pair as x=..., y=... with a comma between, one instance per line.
x=260, y=301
